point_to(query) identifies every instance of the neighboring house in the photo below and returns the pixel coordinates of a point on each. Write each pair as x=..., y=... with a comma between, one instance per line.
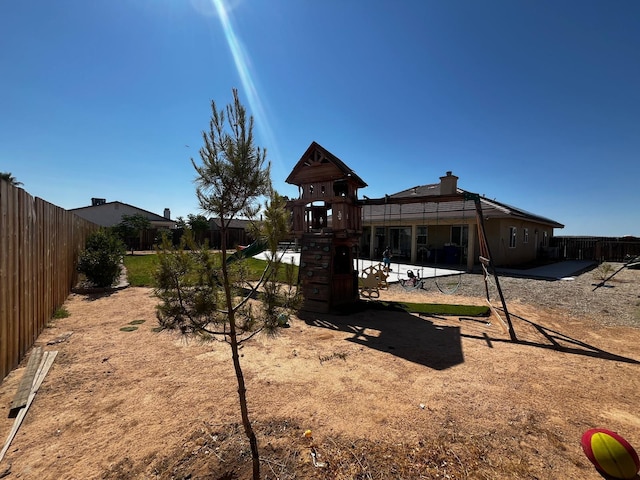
x=446, y=232
x=237, y=234
x=109, y=214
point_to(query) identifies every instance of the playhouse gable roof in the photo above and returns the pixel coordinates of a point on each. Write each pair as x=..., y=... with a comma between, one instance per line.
x=317, y=164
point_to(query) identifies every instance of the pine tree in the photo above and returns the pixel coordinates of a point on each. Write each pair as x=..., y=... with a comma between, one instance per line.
x=205, y=294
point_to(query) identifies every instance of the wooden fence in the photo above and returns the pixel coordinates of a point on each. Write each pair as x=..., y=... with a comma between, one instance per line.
x=39, y=247
x=600, y=249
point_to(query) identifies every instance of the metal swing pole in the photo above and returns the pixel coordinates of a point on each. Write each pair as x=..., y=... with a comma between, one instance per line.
x=424, y=213
x=486, y=261
x=384, y=227
x=398, y=262
x=435, y=255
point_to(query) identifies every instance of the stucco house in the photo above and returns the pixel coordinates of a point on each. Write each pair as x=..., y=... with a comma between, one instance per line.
x=109, y=214
x=446, y=232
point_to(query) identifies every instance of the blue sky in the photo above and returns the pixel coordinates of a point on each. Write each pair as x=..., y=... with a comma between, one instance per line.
x=534, y=103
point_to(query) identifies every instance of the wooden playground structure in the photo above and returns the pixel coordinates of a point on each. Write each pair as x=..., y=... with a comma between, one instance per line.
x=327, y=222
x=326, y=219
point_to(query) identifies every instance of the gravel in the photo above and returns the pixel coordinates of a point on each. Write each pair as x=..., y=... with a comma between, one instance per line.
x=616, y=303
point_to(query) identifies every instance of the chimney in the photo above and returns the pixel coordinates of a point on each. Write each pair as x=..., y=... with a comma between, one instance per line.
x=448, y=184
x=167, y=214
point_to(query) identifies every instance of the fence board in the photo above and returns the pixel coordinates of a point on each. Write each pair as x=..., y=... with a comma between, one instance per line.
x=14, y=337
x=4, y=275
x=39, y=245
x=21, y=274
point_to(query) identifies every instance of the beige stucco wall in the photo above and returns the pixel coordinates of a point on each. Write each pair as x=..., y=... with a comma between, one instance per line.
x=498, y=232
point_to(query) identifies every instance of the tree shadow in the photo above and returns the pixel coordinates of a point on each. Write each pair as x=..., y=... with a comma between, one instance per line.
x=393, y=330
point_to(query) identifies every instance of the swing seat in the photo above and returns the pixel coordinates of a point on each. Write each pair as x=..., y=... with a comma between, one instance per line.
x=413, y=282
x=418, y=285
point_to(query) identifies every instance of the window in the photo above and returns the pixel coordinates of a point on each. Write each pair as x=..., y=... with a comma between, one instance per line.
x=545, y=239
x=421, y=238
x=512, y=237
x=340, y=188
x=525, y=235
x=460, y=235
x=400, y=241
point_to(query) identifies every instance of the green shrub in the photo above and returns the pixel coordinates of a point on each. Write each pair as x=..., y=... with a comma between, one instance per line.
x=101, y=260
x=61, y=312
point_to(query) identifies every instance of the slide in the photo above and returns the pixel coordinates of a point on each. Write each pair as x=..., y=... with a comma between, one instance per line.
x=255, y=248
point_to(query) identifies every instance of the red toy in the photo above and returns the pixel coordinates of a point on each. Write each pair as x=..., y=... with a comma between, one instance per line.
x=611, y=454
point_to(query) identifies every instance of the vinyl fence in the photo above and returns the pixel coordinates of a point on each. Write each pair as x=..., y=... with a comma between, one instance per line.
x=39, y=247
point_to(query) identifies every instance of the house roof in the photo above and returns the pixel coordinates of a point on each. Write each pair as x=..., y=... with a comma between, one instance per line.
x=323, y=165
x=433, y=212
x=240, y=223
x=154, y=217
x=419, y=190
x=518, y=212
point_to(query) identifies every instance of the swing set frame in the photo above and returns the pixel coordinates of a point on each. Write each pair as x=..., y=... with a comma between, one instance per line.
x=484, y=257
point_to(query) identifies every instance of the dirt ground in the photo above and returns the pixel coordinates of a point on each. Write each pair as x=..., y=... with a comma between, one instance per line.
x=386, y=394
